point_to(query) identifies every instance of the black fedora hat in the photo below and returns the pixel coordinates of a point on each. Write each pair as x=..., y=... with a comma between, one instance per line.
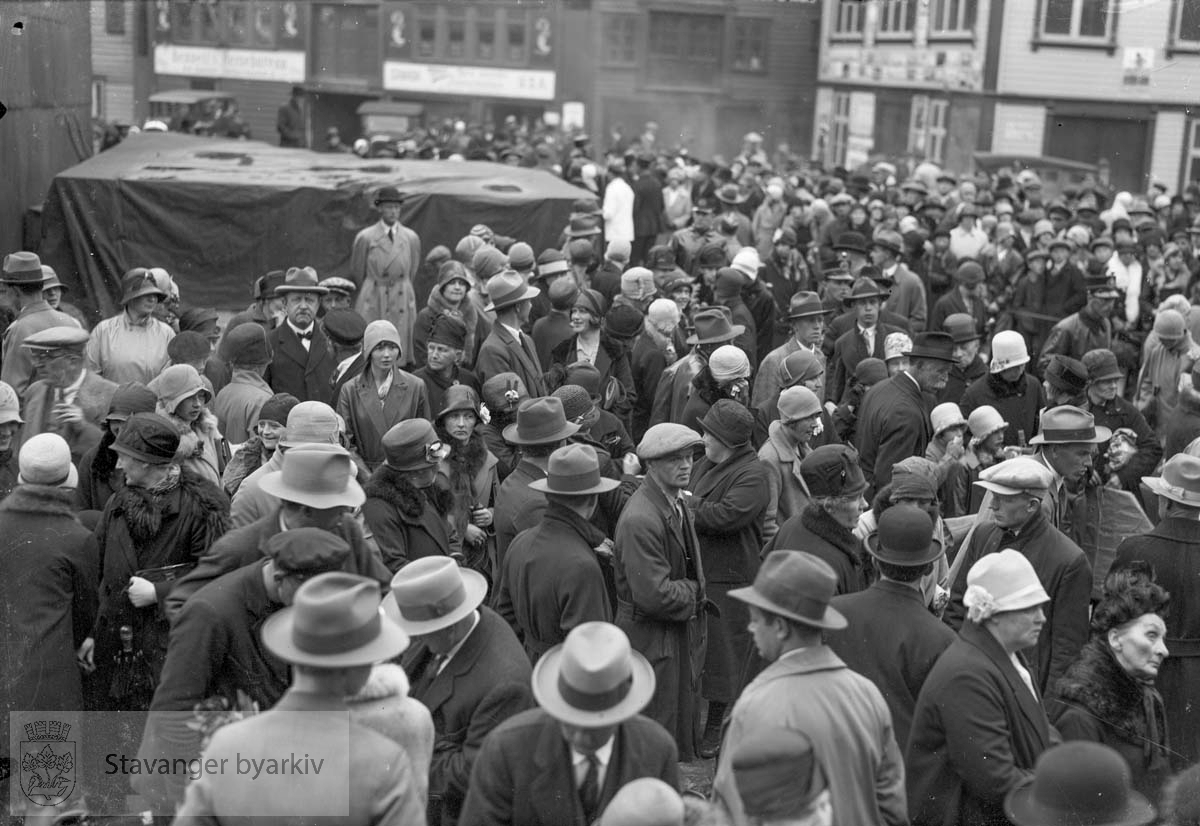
x=851, y=242
x=388, y=195
x=936, y=346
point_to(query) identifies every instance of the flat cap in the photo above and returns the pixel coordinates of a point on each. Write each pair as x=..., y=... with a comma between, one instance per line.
x=307, y=550
x=345, y=326
x=1019, y=475
x=57, y=338
x=666, y=439
x=189, y=346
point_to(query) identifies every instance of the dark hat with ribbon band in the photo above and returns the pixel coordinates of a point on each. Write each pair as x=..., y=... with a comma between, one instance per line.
x=795, y=585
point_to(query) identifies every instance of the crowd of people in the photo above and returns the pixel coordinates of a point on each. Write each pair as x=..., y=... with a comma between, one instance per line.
x=882, y=490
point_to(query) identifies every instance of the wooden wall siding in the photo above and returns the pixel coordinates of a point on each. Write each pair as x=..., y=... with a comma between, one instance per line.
x=1093, y=74
x=1170, y=131
x=112, y=54
x=1019, y=129
x=119, y=102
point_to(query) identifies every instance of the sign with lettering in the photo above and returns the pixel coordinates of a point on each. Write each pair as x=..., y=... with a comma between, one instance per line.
x=233, y=64
x=481, y=81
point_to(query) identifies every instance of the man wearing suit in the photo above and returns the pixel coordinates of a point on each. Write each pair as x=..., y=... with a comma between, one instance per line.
x=383, y=263
x=561, y=764
x=69, y=399
x=863, y=340
x=466, y=666
x=332, y=635
x=893, y=422
x=648, y=210
x=302, y=363
x=507, y=349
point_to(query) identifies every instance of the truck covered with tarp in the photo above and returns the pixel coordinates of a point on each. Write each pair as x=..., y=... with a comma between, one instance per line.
x=217, y=214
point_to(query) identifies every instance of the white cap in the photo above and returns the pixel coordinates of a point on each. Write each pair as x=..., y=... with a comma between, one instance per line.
x=1000, y=582
x=747, y=262
x=984, y=421
x=10, y=405
x=728, y=363
x=946, y=415
x=663, y=313
x=46, y=460
x=1008, y=350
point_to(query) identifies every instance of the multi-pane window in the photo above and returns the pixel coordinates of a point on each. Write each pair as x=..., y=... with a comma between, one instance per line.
x=485, y=33
x=518, y=35
x=237, y=23
x=848, y=18
x=952, y=16
x=618, y=33
x=1187, y=22
x=426, y=32
x=750, y=35
x=456, y=32
x=1193, y=160
x=1078, y=18
x=897, y=16
x=927, y=127
x=685, y=49
x=114, y=17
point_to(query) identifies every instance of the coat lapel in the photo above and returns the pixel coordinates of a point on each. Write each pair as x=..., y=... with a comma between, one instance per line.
x=516, y=349
x=368, y=400
x=290, y=346
x=1029, y=704
x=442, y=686
x=553, y=794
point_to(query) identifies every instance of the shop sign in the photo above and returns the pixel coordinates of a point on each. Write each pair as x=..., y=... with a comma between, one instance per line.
x=477, y=81
x=231, y=64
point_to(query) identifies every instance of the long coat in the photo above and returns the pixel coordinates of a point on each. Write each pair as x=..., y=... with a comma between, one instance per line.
x=368, y=419
x=960, y=379
x=893, y=640
x=849, y=349
x=661, y=606
x=1076, y=335
x=518, y=506
x=675, y=389
x=728, y=506
x=977, y=732
x=893, y=424
x=524, y=774
x=1065, y=575
x=377, y=787
x=94, y=397
x=501, y=353
x=814, y=531
x=384, y=270
x=306, y=374
x=1018, y=403
x=1173, y=549
x=48, y=579
x=552, y=580
x=405, y=521
x=237, y=404
x=787, y=494
x=484, y=683
x=844, y=715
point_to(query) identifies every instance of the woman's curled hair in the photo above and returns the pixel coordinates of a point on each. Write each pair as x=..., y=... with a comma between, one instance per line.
x=1128, y=594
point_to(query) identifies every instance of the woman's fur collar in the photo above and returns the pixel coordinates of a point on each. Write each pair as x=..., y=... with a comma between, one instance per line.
x=190, y=434
x=1006, y=390
x=40, y=499
x=706, y=386
x=386, y=680
x=391, y=486
x=817, y=521
x=465, y=461
x=1097, y=683
x=143, y=511
x=105, y=462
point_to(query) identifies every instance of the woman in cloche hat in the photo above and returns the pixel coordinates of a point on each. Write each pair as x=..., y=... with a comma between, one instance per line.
x=469, y=472
x=183, y=398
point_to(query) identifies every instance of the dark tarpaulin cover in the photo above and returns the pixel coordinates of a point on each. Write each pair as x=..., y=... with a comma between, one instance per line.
x=217, y=214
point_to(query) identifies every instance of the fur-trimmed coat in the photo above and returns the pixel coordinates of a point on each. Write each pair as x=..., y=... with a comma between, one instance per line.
x=469, y=475
x=99, y=476
x=202, y=448
x=408, y=523
x=1097, y=700
x=815, y=531
x=383, y=704
x=248, y=459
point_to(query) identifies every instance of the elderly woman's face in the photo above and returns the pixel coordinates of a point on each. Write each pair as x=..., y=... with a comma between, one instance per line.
x=1139, y=646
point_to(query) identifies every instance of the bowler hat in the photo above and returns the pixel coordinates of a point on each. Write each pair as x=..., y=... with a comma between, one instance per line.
x=594, y=678
x=1069, y=425
x=149, y=438
x=1101, y=364
x=540, y=421
x=432, y=593
x=851, y=242
x=667, y=439
x=23, y=268
x=863, y=289
x=45, y=459
x=334, y=622
x=246, y=344
x=729, y=422
x=713, y=326
x=778, y=774
x=1102, y=285
x=344, y=326
x=388, y=195
x=139, y=282
x=1081, y=783
x=961, y=327
x=573, y=470
x=1180, y=480
x=795, y=585
x=412, y=444
x=1019, y=475
x=833, y=470
x=316, y=475
x=508, y=288
x=301, y=280
x=805, y=305
x=936, y=346
x=904, y=537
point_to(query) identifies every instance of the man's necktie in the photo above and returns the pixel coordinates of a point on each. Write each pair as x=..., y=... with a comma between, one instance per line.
x=428, y=674
x=589, y=790
x=391, y=233
x=306, y=335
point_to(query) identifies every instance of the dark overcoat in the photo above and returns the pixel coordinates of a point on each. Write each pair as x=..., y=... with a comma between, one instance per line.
x=406, y=522
x=1019, y=403
x=524, y=773
x=814, y=531
x=501, y=353
x=977, y=732
x=367, y=420
x=518, y=506
x=306, y=374
x=893, y=424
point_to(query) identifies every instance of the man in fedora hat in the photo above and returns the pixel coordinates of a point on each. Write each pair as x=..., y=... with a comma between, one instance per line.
x=906, y=290
x=331, y=635
x=214, y=649
x=22, y=273
x=713, y=327
x=67, y=399
x=968, y=297
x=312, y=486
x=1067, y=443
x=132, y=345
x=893, y=422
x=1089, y=328
x=507, y=349
x=466, y=666
x=562, y=763
x=838, y=285
x=806, y=317
x=660, y=582
x=302, y=360
x=863, y=340
x=979, y=724
x=384, y=261
x=1017, y=487
x=266, y=309
x=1079, y=782
x=808, y=688
x=1170, y=548
x=892, y=638
x=552, y=581
x=541, y=427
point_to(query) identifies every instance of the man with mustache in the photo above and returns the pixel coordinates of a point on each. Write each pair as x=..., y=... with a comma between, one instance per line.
x=302, y=363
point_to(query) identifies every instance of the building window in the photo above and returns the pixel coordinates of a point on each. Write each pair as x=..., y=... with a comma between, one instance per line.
x=264, y=25
x=485, y=34
x=1093, y=19
x=839, y=132
x=952, y=17
x=1186, y=29
x=518, y=35
x=897, y=17
x=927, y=127
x=618, y=35
x=236, y=23
x=1192, y=167
x=346, y=43
x=685, y=49
x=750, y=35
x=456, y=33
x=183, y=22
x=114, y=17
x=849, y=18
x=426, y=32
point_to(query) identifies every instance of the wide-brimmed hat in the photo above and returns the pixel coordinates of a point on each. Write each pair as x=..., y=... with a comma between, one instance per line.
x=388, y=195
x=23, y=268
x=713, y=326
x=583, y=226
x=433, y=593
x=310, y=423
x=731, y=195
x=574, y=470
x=1064, y=425
x=301, y=280
x=50, y=279
x=540, y=421
x=945, y=416
x=1081, y=783
x=316, y=475
x=805, y=305
x=904, y=537
x=863, y=289
x=140, y=282
x=1180, y=480
x=177, y=383
x=335, y=621
x=45, y=459
x=507, y=288
x=594, y=678
x=795, y=585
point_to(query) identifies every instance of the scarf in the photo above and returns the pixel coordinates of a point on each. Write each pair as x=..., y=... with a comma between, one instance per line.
x=142, y=508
